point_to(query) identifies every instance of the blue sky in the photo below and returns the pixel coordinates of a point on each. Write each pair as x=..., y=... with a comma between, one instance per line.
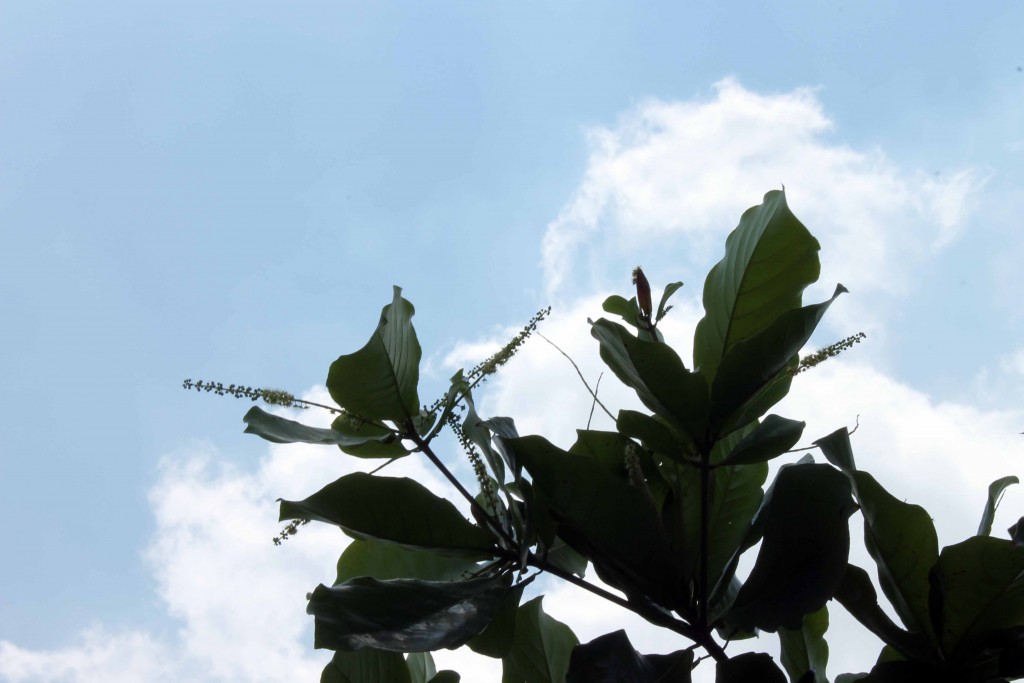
x=229, y=192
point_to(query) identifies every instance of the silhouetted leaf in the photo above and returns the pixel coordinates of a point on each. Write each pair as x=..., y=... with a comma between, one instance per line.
x=366, y=666
x=496, y=639
x=978, y=586
x=748, y=668
x=837, y=450
x=857, y=594
x=421, y=666
x=612, y=659
x=803, y=555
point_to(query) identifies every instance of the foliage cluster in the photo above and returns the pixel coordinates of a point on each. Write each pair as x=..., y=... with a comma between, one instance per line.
x=662, y=509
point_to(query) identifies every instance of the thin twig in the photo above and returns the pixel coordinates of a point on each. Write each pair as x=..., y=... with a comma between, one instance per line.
x=582, y=379
x=597, y=387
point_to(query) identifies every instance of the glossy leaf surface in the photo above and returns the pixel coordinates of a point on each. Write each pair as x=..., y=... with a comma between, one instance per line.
x=611, y=658
x=403, y=615
x=541, y=649
x=393, y=509
x=770, y=258
x=379, y=381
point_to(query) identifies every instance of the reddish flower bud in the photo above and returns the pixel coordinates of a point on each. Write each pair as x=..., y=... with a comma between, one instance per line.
x=643, y=292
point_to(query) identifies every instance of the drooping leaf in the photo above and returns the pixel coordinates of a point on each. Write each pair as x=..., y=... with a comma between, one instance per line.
x=403, y=615
x=747, y=668
x=769, y=259
x=837, y=449
x=541, y=648
x=773, y=436
x=995, y=493
x=804, y=649
x=803, y=556
x=386, y=447
x=282, y=430
x=421, y=666
x=611, y=658
x=366, y=666
x=610, y=521
x=496, y=639
x=629, y=311
x=383, y=560
x=901, y=539
x=562, y=555
x=392, y=509
x=753, y=364
x=379, y=381
x=978, y=588
x=857, y=594
x=657, y=375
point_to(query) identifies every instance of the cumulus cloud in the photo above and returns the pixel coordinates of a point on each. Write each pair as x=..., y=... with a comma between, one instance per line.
x=662, y=187
x=665, y=184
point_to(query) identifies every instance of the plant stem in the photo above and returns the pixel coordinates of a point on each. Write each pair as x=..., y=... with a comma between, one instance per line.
x=705, y=532
x=477, y=508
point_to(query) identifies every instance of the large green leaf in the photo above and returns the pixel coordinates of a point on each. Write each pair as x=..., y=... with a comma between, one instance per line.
x=282, y=430
x=755, y=363
x=541, y=648
x=610, y=521
x=748, y=668
x=397, y=510
x=769, y=259
x=804, y=552
x=977, y=589
x=857, y=594
x=366, y=666
x=611, y=658
x=657, y=375
x=901, y=539
x=773, y=436
x=383, y=560
x=403, y=615
x=378, y=382
x=995, y=492
x=805, y=649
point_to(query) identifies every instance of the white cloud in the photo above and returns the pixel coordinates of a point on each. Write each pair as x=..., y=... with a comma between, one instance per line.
x=663, y=187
